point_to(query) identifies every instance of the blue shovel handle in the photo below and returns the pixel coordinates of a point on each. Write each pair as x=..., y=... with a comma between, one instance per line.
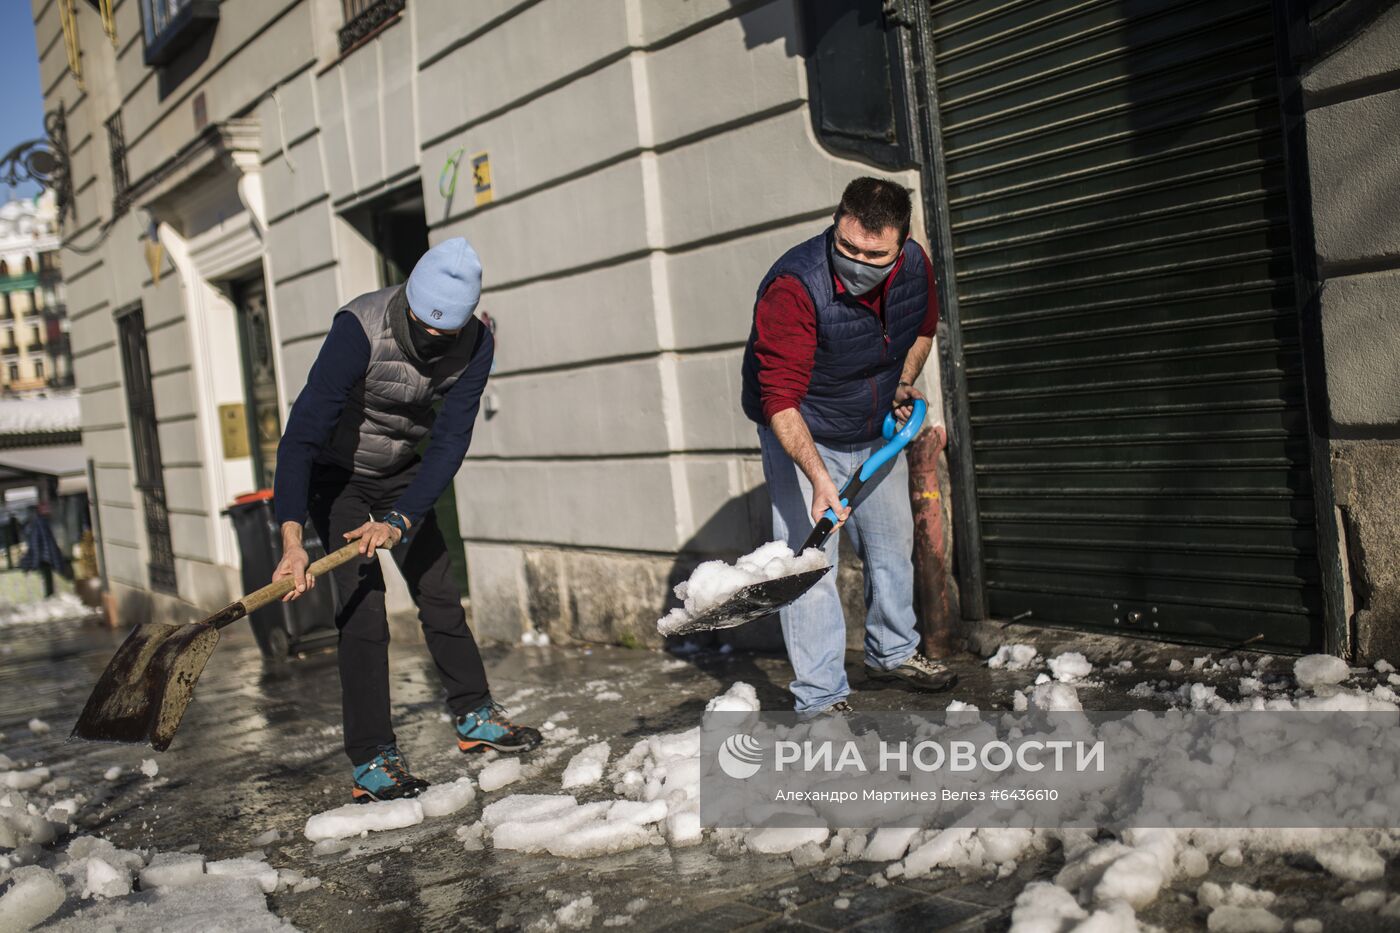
x=898, y=438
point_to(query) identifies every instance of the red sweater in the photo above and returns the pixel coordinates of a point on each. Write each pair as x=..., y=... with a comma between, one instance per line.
x=786, y=322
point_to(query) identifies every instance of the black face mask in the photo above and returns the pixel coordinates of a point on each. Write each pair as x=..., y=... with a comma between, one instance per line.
x=426, y=345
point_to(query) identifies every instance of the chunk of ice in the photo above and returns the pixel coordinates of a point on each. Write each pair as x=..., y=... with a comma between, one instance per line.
x=587, y=766
x=499, y=773
x=172, y=870
x=1318, y=669
x=355, y=818
x=443, y=799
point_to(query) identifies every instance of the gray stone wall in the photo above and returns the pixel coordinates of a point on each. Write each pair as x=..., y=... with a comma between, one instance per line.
x=1352, y=101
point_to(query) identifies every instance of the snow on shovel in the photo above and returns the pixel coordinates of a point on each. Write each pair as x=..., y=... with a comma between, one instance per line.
x=142, y=695
x=754, y=600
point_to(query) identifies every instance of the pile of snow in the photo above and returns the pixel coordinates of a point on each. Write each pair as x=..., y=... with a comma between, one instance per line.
x=657, y=788
x=1013, y=658
x=1070, y=666
x=60, y=608
x=714, y=581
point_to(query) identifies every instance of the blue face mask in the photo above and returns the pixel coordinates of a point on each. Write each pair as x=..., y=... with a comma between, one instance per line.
x=859, y=277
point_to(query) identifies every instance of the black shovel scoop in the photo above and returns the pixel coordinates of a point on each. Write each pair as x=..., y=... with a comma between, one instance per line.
x=142, y=695
x=760, y=599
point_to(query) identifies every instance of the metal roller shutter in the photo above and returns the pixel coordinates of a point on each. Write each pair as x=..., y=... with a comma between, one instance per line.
x=1115, y=187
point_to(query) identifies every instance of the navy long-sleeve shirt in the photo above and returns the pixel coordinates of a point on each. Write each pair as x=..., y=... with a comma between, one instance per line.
x=341, y=364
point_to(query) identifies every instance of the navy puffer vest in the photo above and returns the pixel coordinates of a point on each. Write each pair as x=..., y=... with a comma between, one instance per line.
x=859, y=358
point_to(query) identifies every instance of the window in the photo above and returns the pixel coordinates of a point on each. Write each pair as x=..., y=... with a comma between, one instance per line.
x=855, y=71
x=116, y=147
x=145, y=444
x=14, y=372
x=362, y=17
x=38, y=369
x=171, y=26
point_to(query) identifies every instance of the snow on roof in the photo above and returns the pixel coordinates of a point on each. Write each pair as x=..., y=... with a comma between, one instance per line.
x=51, y=415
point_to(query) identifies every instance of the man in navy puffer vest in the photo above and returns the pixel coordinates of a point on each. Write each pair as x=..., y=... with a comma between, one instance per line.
x=842, y=327
x=399, y=366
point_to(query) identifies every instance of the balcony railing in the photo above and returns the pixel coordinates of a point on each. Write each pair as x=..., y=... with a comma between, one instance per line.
x=35, y=346
x=363, y=17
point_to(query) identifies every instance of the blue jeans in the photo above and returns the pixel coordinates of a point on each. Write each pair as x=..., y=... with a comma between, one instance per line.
x=882, y=529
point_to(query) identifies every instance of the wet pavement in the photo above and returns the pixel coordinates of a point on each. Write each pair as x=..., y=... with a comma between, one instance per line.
x=260, y=749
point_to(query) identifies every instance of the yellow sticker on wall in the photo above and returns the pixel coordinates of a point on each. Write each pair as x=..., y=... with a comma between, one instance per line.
x=481, y=177
x=233, y=429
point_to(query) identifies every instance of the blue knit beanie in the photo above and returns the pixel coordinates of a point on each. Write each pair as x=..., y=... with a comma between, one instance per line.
x=445, y=285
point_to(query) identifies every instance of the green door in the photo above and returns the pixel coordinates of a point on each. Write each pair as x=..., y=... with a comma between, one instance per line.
x=1120, y=242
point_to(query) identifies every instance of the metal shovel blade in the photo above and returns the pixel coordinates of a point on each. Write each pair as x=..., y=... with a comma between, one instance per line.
x=142, y=695
x=752, y=602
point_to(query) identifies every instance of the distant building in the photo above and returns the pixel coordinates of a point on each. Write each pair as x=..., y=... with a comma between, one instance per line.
x=34, y=352
x=1165, y=234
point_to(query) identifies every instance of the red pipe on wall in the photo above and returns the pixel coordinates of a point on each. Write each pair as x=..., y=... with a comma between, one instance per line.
x=933, y=601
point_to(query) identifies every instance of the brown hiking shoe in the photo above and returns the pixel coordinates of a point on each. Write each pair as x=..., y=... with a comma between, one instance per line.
x=917, y=673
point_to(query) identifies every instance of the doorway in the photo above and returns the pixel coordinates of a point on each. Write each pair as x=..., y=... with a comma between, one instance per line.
x=264, y=418
x=397, y=227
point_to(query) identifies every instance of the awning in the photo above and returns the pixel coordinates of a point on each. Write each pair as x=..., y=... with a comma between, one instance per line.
x=66, y=462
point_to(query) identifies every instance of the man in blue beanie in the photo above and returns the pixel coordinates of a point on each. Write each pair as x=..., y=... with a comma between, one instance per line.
x=399, y=364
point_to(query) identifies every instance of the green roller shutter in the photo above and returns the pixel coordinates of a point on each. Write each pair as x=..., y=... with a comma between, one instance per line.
x=1115, y=188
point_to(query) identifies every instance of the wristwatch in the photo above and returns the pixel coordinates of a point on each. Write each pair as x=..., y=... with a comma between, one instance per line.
x=396, y=520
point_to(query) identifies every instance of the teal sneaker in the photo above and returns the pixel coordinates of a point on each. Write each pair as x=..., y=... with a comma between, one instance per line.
x=488, y=727
x=386, y=777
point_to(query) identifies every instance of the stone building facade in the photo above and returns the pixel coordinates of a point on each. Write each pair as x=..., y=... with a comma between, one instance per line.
x=33, y=323
x=629, y=168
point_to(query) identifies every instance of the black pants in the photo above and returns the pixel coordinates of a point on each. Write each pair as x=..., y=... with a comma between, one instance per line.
x=341, y=502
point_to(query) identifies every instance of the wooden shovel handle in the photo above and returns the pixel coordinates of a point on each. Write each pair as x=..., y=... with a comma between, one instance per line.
x=275, y=591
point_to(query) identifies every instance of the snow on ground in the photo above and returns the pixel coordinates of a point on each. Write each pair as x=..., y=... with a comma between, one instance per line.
x=1013, y=658
x=649, y=797
x=47, y=867
x=1106, y=878
x=58, y=608
x=714, y=581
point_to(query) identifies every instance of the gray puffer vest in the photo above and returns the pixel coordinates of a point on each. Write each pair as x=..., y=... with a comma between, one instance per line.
x=393, y=408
